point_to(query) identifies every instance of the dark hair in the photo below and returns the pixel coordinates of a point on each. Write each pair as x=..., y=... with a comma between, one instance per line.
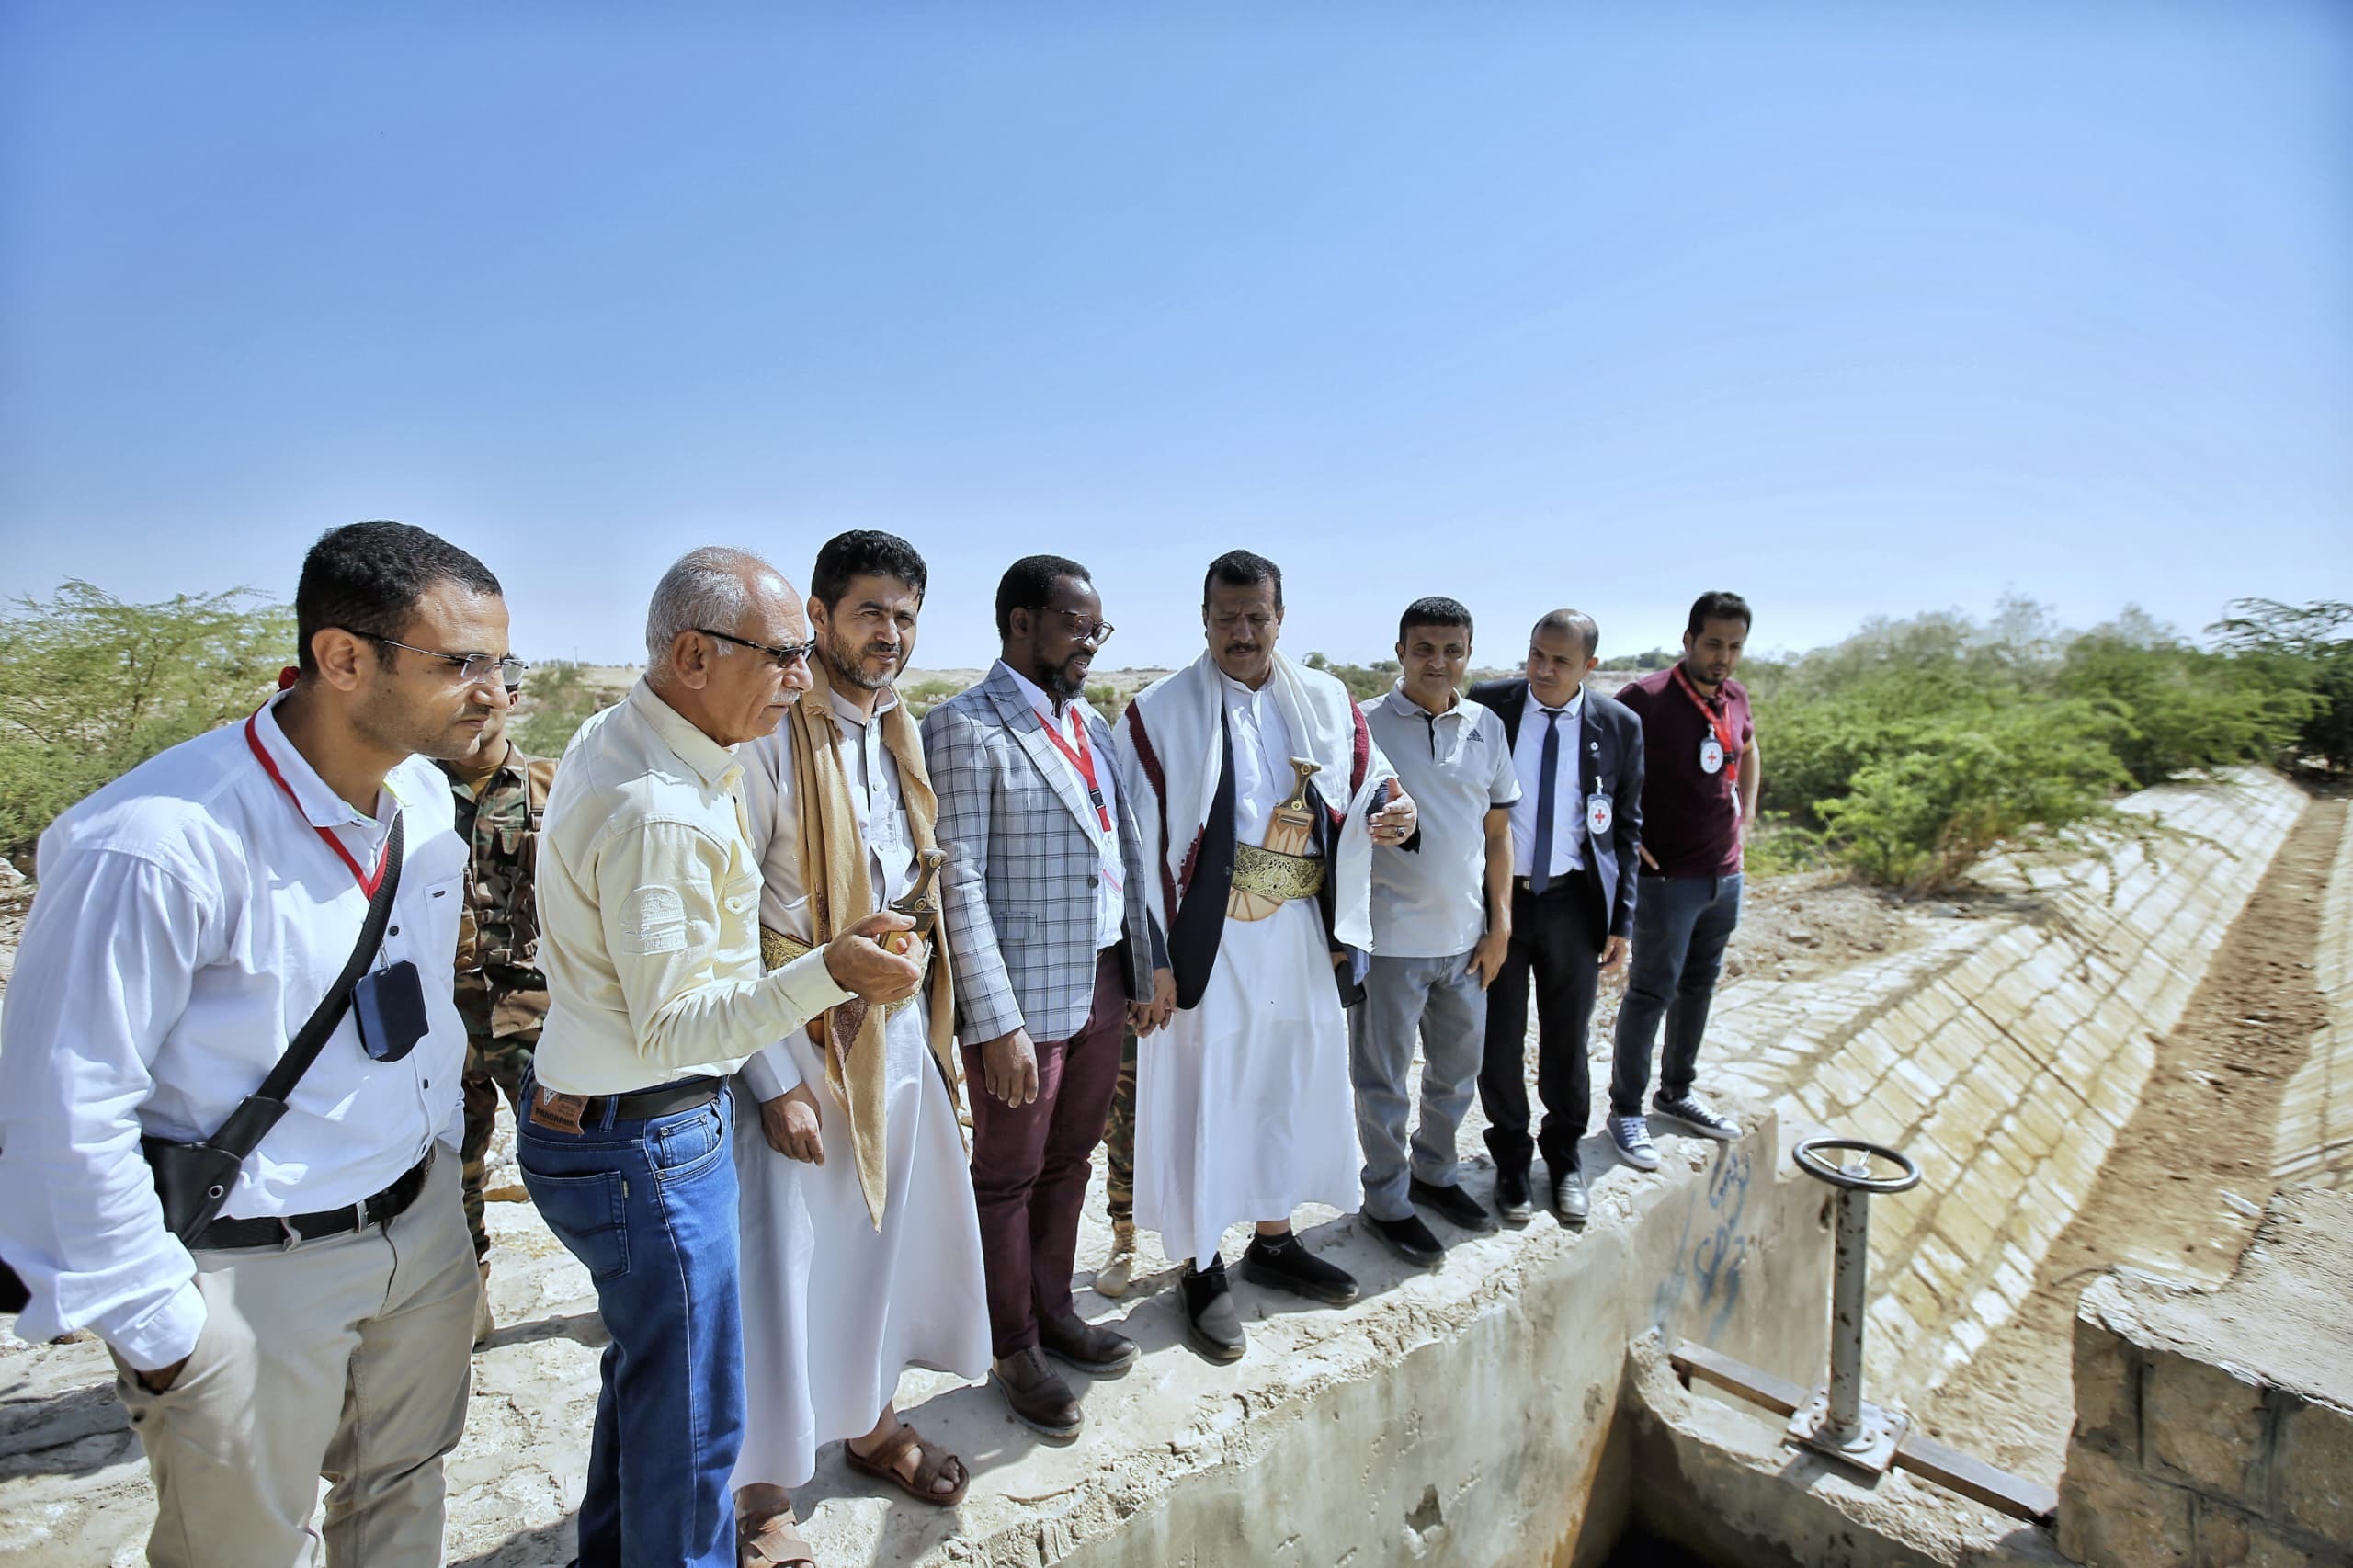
x=1029, y=583
x=864, y=552
x=365, y=578
x=1240, y=569
x=1716, y=606
x=1434, y=610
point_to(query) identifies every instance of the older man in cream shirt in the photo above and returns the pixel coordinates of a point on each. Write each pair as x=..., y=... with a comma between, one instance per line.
x=649, y=894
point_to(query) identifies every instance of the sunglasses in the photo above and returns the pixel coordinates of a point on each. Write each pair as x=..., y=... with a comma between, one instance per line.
x=785, y=655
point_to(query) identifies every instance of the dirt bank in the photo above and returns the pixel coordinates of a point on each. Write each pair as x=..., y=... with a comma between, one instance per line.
x=2181, y=1190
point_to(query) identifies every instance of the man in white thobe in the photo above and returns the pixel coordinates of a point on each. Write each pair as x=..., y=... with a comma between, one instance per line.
x=858, y=1259
x=1243, y=1109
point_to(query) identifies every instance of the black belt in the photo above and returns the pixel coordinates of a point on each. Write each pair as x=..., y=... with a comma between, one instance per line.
x=647, y=1104
x=1527, y=885
x=379, y=1208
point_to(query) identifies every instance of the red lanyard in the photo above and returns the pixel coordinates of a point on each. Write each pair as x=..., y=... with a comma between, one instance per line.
x=367, y=884
x=1722, y=726
x=1082, y=759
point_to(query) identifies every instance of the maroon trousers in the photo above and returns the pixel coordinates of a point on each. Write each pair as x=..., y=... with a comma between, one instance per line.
x=1031, y=1165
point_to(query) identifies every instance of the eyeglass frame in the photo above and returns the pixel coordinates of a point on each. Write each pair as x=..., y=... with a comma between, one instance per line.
x=509, y=669
x=786, y=655
x=1094, y=637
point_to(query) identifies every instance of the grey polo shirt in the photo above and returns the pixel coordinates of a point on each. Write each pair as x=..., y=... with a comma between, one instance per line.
x=1432, y=902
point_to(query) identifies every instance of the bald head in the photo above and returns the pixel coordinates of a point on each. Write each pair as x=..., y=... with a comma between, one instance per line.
x=1572, y=623
x=716, y=616
x=1559, y=655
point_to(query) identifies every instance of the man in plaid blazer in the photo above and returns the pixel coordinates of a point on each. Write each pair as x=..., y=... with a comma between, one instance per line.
x=1054, y=957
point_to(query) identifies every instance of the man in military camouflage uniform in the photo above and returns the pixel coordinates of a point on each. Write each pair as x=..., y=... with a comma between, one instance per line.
x=501, y=796
x=1120, y=1179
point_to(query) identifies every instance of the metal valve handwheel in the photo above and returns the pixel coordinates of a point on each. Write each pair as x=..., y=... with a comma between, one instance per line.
x=1855, y=1178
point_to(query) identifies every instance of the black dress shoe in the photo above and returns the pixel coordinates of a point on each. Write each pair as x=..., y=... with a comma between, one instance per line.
x=1075, y=1342
x=1569, y=1200
x=1210, y=1322
x=1039, y=1398
x=1283, y=1263
x=1451, y=1204
x=1512, y=1200
x=1408, y=1238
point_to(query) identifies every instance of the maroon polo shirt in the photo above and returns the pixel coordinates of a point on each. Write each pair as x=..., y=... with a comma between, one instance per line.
x=1690, y=819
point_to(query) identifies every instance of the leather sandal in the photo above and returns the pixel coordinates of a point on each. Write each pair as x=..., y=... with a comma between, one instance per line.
x=932, y=1462
x=767, y=1535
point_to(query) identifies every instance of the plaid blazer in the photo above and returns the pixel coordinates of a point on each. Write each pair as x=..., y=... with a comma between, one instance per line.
x=1017, y=894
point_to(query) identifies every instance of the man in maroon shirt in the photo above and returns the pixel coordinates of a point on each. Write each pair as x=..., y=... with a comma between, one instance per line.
x=1699, y=800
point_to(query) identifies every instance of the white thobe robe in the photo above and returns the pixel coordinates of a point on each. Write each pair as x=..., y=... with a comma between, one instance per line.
x=1243, y=1109
x=834, y=1309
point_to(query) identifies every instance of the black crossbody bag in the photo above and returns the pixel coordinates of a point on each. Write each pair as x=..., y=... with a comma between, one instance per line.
x=194, y=1179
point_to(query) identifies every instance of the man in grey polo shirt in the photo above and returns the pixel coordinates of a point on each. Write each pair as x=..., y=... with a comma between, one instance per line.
x=1441, y=922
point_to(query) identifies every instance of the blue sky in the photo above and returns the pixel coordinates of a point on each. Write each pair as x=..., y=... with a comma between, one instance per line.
x=1859, y=310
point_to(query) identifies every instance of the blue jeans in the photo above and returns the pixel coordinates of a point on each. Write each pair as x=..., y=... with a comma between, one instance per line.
x=1439, y=999
x=648, y=1207
x=1681, y=924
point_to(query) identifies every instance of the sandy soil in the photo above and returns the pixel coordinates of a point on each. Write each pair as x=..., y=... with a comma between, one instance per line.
x=2163, y=1200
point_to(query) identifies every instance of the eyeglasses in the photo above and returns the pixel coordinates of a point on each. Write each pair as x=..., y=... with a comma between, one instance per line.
x=786, y=655
x=473, y=668
x=1093, y=633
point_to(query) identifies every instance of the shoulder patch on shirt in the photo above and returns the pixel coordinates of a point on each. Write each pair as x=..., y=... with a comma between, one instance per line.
x=654, y=920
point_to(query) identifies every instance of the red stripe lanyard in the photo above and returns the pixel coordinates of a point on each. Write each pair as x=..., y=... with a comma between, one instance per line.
x=1722, y=727
x=1082, y=759
x=367, y=884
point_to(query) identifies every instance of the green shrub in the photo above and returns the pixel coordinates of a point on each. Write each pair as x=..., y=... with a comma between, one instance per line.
x=558, y=697
x=2309, y=648
x=1364, y=682
x=1961, y=785
x=91, y=687
x=2184, y=710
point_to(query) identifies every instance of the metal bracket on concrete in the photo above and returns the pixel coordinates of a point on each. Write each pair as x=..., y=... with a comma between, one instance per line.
x=1954, y=1471
x=1872, y=1444
x=1834, y=1418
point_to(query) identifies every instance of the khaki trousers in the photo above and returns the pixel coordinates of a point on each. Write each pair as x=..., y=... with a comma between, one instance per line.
x=347, y=1358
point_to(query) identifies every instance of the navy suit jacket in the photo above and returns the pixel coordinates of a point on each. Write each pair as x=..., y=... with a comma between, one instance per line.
x=1610, y=764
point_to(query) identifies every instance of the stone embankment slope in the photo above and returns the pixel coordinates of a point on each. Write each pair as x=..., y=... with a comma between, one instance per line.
x=2004, y=1054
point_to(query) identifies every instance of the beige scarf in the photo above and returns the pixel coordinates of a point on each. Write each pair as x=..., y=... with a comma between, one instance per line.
x=833, y=866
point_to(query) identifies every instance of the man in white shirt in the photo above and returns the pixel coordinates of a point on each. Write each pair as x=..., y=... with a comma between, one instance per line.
x=191, y=917
x=862, y=1251
x=1054, y=960
x=1260, y=795
x=649, y=904
x=1575, y=833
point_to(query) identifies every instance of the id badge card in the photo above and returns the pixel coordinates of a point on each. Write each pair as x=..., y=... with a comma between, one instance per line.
x=1711, y=756
x=1599, y=815
x=389, y=1006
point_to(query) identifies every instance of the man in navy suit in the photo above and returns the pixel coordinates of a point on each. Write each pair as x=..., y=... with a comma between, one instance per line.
x=1575, y=832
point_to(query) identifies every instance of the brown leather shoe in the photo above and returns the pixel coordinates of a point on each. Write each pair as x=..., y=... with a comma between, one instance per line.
x=1039, y=1398
x=1075, y=1342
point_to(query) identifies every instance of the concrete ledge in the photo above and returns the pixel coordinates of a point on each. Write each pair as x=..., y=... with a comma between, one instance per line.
x=1454, y=1416
x=1713, y=1476
x=2216, y=1427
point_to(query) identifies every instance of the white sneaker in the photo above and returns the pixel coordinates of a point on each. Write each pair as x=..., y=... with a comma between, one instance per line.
x=1632, y=1134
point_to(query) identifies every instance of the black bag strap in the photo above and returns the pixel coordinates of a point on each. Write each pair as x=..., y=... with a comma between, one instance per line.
x=311, y=1037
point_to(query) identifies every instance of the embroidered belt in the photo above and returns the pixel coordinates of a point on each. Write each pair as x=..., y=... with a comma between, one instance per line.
x=777, y=949
x=1272, y=874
